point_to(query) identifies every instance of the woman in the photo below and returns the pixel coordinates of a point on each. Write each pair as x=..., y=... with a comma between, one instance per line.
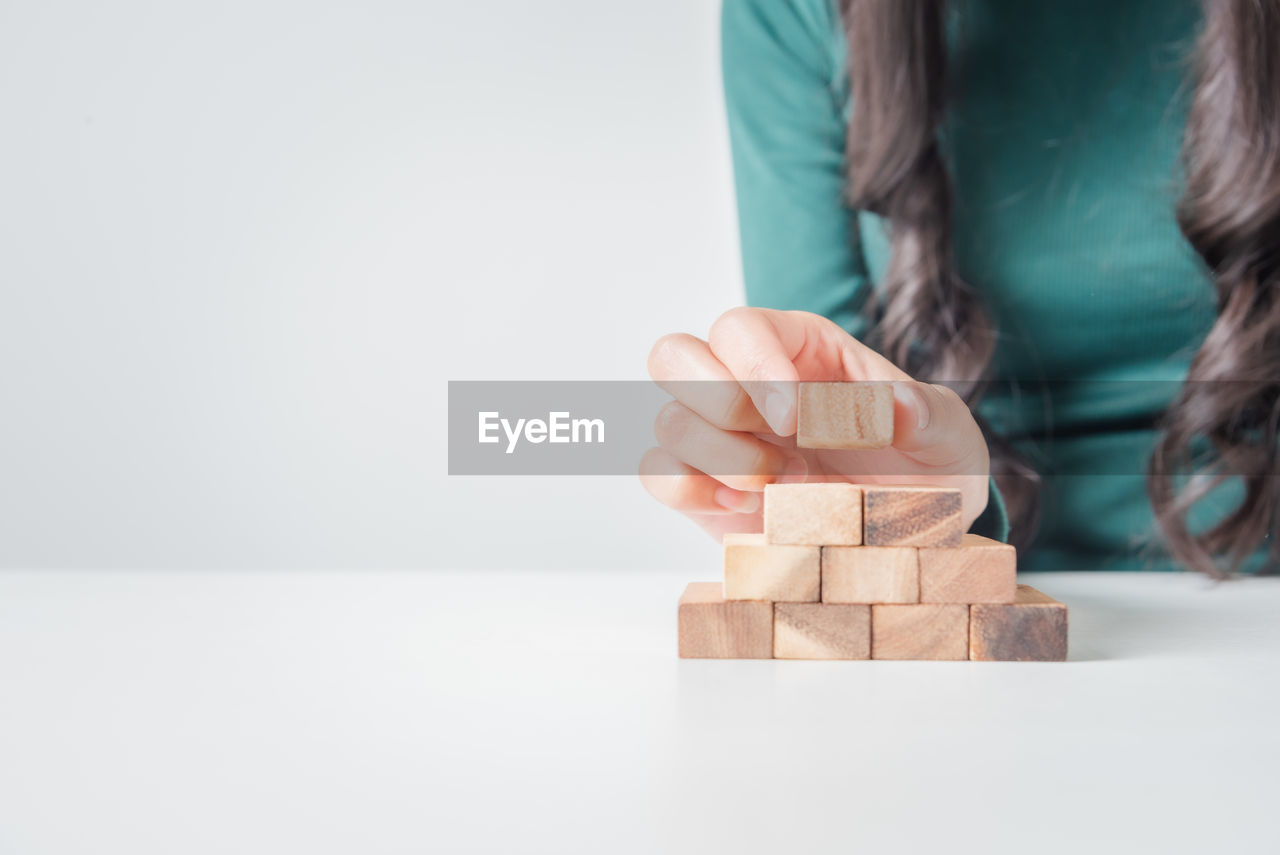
x=992, y=196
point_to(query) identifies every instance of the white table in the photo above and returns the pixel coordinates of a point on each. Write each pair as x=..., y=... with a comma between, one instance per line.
x=371, y=712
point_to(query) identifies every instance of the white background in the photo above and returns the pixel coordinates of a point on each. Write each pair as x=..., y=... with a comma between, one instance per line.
x=244, y=246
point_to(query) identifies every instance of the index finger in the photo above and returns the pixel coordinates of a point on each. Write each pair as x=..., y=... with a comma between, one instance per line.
x=751, y=346
x=769, y=351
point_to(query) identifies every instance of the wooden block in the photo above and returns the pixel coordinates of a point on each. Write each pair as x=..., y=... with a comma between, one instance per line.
x=817, y=631
x=979, y=570
x=813, y=514
x=712, y=627
x=845, y=415
x=757, y=570
x=921, y=631
x=911, y=516
x=1031, y=629
x=870, y=574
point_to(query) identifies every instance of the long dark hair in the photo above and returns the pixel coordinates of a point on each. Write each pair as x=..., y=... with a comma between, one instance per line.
x=932, y=323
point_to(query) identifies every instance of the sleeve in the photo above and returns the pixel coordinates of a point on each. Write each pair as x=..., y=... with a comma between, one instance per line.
x=800, y=247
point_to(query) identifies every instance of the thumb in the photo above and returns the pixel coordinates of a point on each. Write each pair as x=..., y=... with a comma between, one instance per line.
x=932, y=424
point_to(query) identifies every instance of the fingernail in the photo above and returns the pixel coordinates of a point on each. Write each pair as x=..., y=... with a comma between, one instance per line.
x=775, y=410
x=794, y=472
x=736, y=500
x=909, y=396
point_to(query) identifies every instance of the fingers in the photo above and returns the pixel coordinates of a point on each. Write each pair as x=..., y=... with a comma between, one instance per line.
x=684, y=367
x=744, y=377
x=739, y=460
x=933, y=425
x=768, y=351
x=683, y=488
x=753, y=349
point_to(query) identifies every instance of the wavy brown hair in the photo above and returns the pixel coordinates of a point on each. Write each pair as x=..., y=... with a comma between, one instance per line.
x=1225, y=421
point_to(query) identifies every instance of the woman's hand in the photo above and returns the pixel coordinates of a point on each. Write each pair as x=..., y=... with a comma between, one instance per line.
x=742, y=428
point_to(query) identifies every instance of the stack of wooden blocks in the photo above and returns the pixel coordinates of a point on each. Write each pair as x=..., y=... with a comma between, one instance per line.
x=850, y=571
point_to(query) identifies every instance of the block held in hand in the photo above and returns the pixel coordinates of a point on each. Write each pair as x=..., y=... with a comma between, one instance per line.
x=845, y=415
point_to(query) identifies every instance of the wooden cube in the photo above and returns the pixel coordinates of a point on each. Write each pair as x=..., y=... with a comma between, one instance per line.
x=1031, y=629
x=845, y=415
x=870, y=574
x=979, y=570
x=817, y=514
x=911, y=516
x=920, y=631
x=712, y=627
x=757, y=570
x=818, y=631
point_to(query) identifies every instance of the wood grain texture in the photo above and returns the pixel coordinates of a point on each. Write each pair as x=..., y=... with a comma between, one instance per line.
x=711, y=627
x=979, y=570
x=911, y=516
x=870, y=574
x=817, y=631
x=921, y=631
x=757, y=570
x=845, y=415
x=813, y=514
x=1031, y=629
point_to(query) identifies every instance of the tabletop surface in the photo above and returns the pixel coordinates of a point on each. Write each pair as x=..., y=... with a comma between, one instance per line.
x=372, y=711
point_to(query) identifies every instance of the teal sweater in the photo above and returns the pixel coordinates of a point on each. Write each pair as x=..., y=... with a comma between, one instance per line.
x=1063, y=142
